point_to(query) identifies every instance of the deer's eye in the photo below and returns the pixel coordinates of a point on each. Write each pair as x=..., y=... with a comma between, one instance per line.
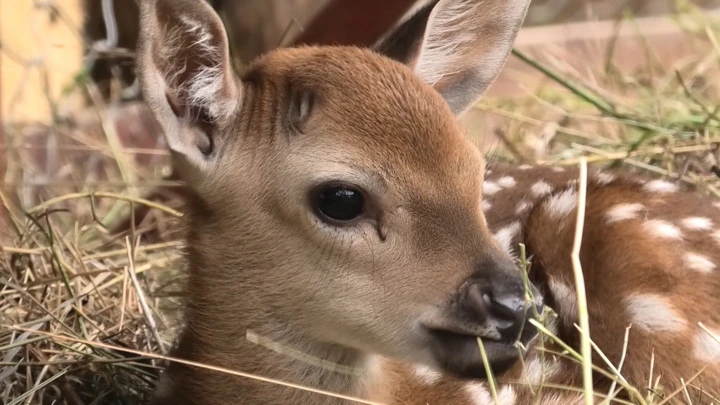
x=338, y=204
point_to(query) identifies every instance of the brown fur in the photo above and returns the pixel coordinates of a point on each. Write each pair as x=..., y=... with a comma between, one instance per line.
x=251, y=267
x=252, y=147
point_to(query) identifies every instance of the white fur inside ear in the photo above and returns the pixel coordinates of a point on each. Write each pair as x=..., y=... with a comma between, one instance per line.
x=469, y=41
x=203, y=88
x=469, y=32
x=444, y=39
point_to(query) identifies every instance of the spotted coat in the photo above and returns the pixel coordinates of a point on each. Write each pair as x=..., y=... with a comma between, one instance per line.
x=650, y=252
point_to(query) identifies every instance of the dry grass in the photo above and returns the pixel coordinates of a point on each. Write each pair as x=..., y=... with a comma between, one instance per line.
x=64, y=274
x=75, y=289
x=660, y=119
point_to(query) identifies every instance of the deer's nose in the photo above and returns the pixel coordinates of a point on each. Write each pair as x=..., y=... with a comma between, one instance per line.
x=492, y=305
x=503, y=304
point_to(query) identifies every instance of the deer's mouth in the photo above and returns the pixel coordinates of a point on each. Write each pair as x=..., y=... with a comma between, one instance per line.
x=454, y=343
x=457, y=350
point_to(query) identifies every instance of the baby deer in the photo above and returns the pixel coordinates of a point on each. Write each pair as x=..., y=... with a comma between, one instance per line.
x=337, y=208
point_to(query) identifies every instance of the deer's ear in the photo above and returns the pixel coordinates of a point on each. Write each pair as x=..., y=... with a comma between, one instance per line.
x=186, y=75
x=457, y=46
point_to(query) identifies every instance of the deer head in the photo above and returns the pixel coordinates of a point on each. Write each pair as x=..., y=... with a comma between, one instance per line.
x=336, y=200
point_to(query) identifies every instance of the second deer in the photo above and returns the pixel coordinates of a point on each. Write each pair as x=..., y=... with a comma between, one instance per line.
x=338, y=209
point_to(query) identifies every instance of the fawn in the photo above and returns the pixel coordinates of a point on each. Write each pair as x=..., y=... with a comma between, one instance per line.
x=338, y=208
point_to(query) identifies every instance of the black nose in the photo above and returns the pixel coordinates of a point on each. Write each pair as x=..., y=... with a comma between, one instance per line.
x=503, y=304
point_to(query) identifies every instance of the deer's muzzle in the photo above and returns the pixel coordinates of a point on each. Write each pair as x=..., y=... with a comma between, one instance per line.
x=492, y=306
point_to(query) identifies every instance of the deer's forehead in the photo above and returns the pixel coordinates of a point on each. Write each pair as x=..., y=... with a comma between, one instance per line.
x=438, y=163
x=433, y=185
x=377, y=113
x=357, y=87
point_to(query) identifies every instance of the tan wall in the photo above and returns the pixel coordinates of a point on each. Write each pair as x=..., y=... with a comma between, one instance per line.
x=544, y=12
x=37, y=45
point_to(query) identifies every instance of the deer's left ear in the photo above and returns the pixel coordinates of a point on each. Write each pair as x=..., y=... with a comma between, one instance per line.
x=186, y=76
x=457, y=46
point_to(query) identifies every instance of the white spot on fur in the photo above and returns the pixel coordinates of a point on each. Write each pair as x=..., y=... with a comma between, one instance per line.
x=479, y=394
x=717, y=205
x=533, y=372
x=522, y=206
x=565, y=300
x=697, y=223
x=490, y=188
x=541, y=188
x=506, y=395
x=604, y=178
x=662, y=229
x=698, y=262
x=558, y=169
x=427, y=375
x=623, y=211
x=506, y=235
x=507, y=182
x=660, y=186
x=485, y=205
x=716, y=236
x=654, y=313
x=536, y=371
x=552, y=326
x=561, y=204
x=525, y=167
x=706, y=348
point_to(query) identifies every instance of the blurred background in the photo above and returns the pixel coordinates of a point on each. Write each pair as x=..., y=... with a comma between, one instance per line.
x=90, y=206
x=70, y=100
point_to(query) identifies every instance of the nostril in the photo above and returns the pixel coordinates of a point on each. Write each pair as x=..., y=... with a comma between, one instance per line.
x=483, y=302
x=478, y=300
x=508, y=306
x=498, y=311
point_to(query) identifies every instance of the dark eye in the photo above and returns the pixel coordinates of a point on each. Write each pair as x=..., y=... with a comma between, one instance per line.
x=339, y=203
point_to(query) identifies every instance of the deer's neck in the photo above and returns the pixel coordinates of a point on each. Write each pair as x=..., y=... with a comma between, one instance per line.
x=275, y=350
x=217, y=322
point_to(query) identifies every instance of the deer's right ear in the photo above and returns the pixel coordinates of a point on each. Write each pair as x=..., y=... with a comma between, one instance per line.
x=186, y=76
x=457, y=46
